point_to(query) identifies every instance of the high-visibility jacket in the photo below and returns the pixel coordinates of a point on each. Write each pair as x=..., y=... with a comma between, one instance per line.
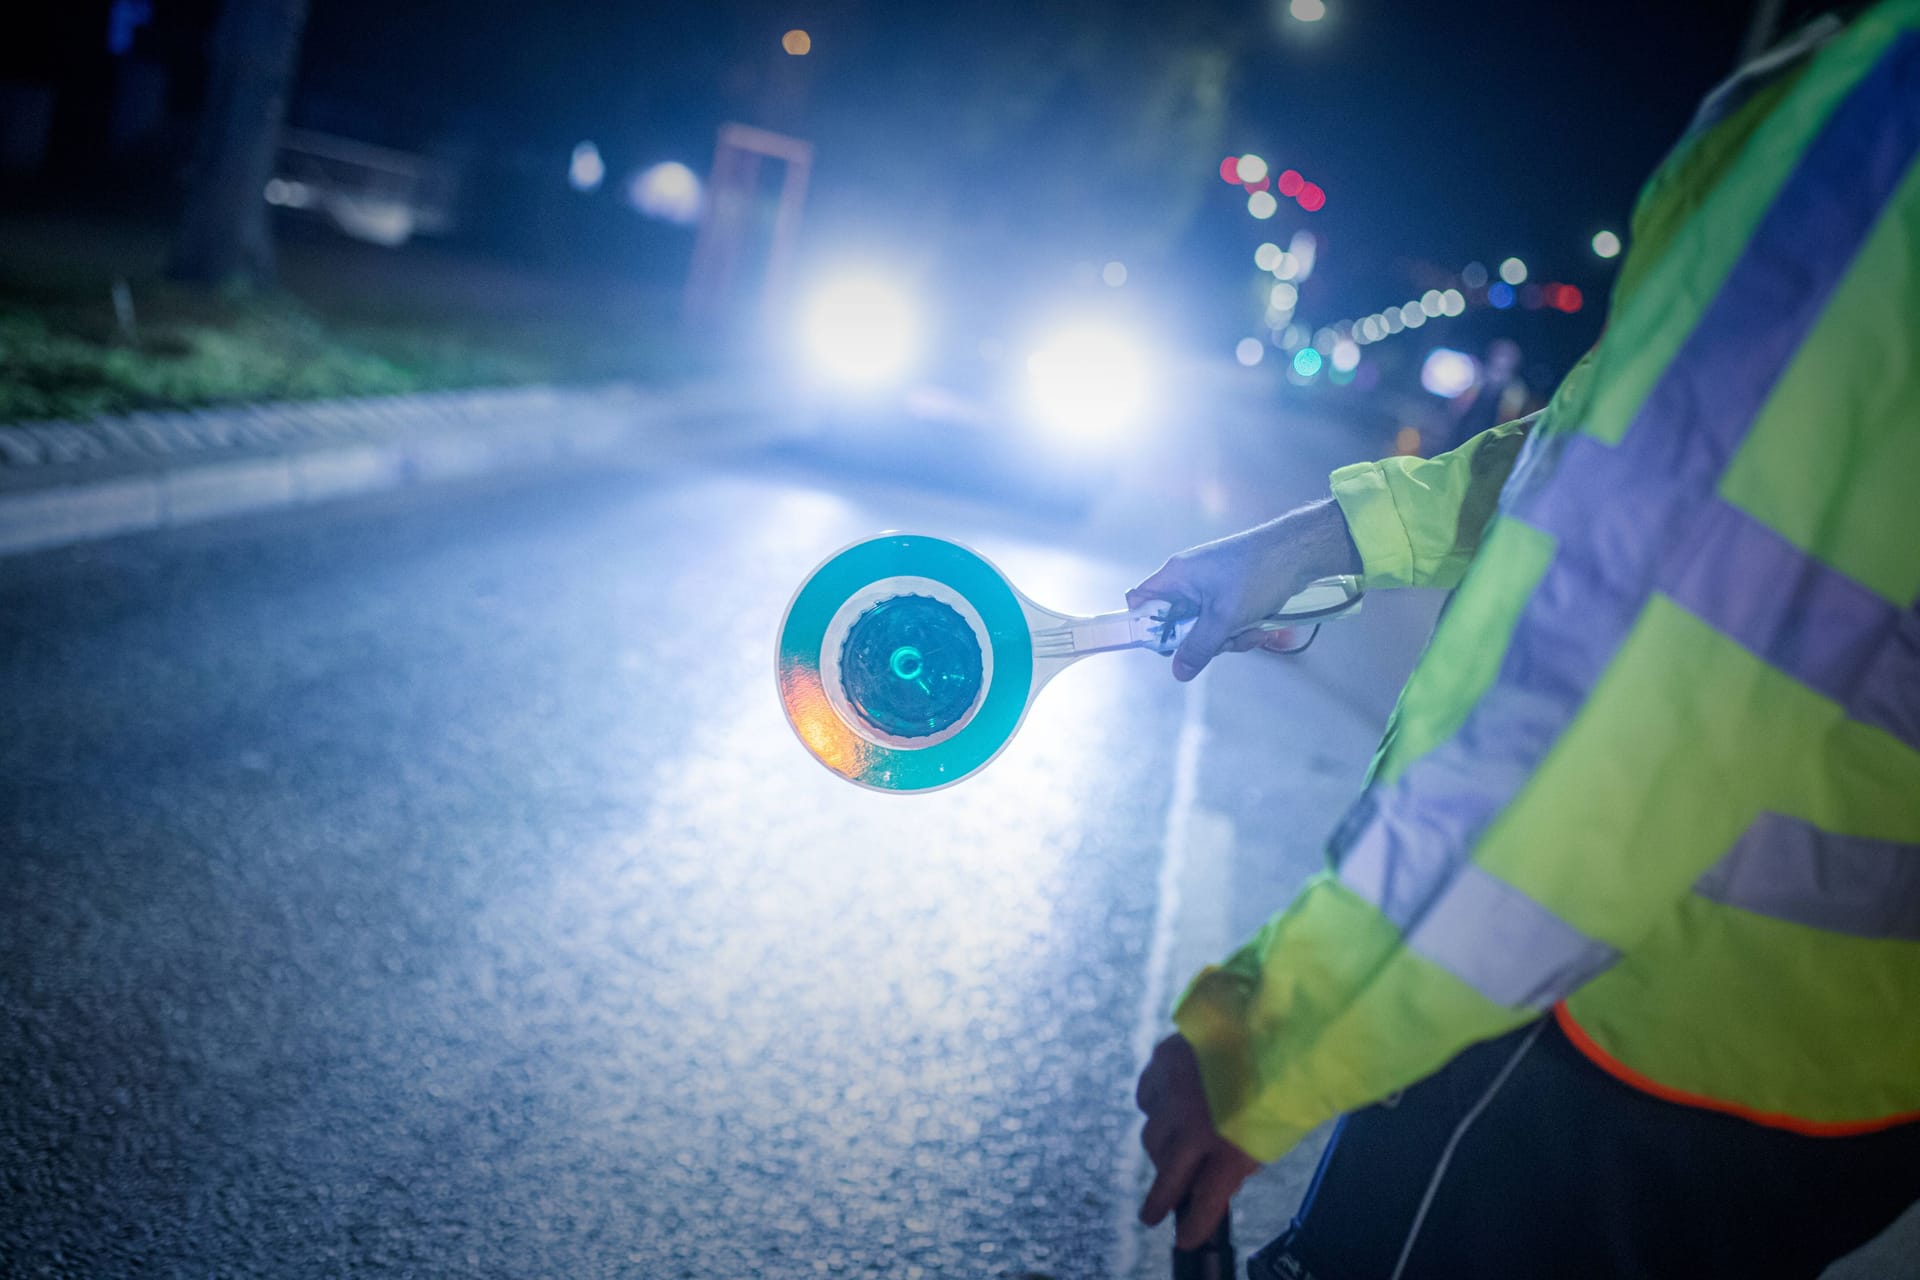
x=1658, y=770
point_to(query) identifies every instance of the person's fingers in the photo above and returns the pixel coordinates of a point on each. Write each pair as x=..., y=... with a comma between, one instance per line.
x=1166, y=583
x=1285, y=640
x=1162, y=588
x=1208, y=1194
x=1150, y=1086
x=1173, y=1176
x=1155, y=1132
x=1197, y=650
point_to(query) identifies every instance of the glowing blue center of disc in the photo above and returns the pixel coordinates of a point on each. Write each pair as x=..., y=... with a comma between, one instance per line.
x=911, y=666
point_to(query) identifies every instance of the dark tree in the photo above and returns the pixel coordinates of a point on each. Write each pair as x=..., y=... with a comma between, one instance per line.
x=224, y=237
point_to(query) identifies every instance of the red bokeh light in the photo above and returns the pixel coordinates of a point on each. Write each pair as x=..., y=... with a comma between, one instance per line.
x=1568, y=298
x=1312, y=198
x=1261, y=185
x=1230, y=170
x=1291, y=182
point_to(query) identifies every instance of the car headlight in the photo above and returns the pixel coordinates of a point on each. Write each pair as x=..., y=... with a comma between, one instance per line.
x=1089, y=380
x=861, y=331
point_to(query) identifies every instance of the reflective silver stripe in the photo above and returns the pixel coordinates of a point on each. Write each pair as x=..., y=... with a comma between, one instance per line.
x=1793, y=611
x=1888, y=694
x=1476, y=926
x=1792, y=870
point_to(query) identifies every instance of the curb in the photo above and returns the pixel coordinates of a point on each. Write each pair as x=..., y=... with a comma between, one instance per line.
x=64, y=483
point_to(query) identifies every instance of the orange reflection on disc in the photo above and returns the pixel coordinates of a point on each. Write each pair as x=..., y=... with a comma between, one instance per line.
x=819, y=725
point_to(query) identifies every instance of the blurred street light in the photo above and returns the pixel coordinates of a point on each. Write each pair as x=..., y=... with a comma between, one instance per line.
x=1305, y=251
x=861, y=330
x=1606, y=244
x=1251, y=169
x=1089, y=380
x=797, y=42
x=586, y=171
x=1513, y=271
x=1448, y=373
x=1262, y=205
x=1250, y=351
x=668, y=191
x=1308, y=10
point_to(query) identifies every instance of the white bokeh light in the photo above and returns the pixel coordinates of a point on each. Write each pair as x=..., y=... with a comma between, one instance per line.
x=669, y=191
x=1448, y=373
x=586, y=170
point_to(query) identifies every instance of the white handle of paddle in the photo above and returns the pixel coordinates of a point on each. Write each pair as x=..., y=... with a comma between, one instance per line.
x=1321, y=601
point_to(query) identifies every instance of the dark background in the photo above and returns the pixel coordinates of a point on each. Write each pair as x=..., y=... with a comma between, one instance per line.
x=1012, y=136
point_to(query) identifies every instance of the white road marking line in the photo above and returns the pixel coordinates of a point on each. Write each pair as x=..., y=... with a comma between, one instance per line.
x=1154, y=994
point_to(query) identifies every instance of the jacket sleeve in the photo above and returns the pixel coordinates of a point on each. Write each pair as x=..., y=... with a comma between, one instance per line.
x=1417, y=521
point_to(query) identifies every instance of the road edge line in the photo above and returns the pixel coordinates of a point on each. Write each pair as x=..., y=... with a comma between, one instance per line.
x=1150, y=1019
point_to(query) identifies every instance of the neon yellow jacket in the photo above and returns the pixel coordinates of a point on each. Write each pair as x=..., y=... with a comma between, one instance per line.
x=1659, y=769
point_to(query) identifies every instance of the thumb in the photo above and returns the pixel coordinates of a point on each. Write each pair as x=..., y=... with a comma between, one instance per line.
x=1200, y=646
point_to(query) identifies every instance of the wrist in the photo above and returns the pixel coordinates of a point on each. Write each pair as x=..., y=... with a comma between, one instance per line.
x=1318, y=542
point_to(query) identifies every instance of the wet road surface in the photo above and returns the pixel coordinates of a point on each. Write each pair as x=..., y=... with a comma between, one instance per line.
x=433, y=886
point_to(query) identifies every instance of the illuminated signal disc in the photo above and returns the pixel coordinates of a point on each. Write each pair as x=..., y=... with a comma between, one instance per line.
x=911, y=666
x=905, y=663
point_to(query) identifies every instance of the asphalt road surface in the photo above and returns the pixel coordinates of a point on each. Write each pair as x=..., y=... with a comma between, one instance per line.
x=430, y=885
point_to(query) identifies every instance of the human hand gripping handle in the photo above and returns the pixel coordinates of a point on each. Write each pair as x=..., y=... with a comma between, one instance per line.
x=1300, y=568
x=1196, y=1171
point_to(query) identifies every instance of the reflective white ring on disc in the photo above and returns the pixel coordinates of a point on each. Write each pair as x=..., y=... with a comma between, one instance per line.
x=860, y=604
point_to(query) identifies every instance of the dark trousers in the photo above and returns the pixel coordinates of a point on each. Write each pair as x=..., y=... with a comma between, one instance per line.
x=1567, y=1172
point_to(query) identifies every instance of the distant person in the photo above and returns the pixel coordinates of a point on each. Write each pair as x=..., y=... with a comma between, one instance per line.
x=1497, y=395
x=1616, y=967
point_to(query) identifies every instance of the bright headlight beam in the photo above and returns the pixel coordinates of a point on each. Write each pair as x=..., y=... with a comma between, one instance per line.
x=861, y=330
x=1088, y=380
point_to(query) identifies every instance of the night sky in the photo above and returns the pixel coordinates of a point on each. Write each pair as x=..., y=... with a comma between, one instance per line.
x=1442, y=133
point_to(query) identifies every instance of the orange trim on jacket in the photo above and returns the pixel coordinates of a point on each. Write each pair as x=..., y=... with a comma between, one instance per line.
x=1772, y=1119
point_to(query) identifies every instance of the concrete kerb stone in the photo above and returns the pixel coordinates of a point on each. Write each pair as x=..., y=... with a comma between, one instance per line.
x=79, y=513
x=68, y=482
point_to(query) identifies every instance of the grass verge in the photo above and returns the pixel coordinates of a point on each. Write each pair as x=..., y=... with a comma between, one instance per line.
x=346, y=320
